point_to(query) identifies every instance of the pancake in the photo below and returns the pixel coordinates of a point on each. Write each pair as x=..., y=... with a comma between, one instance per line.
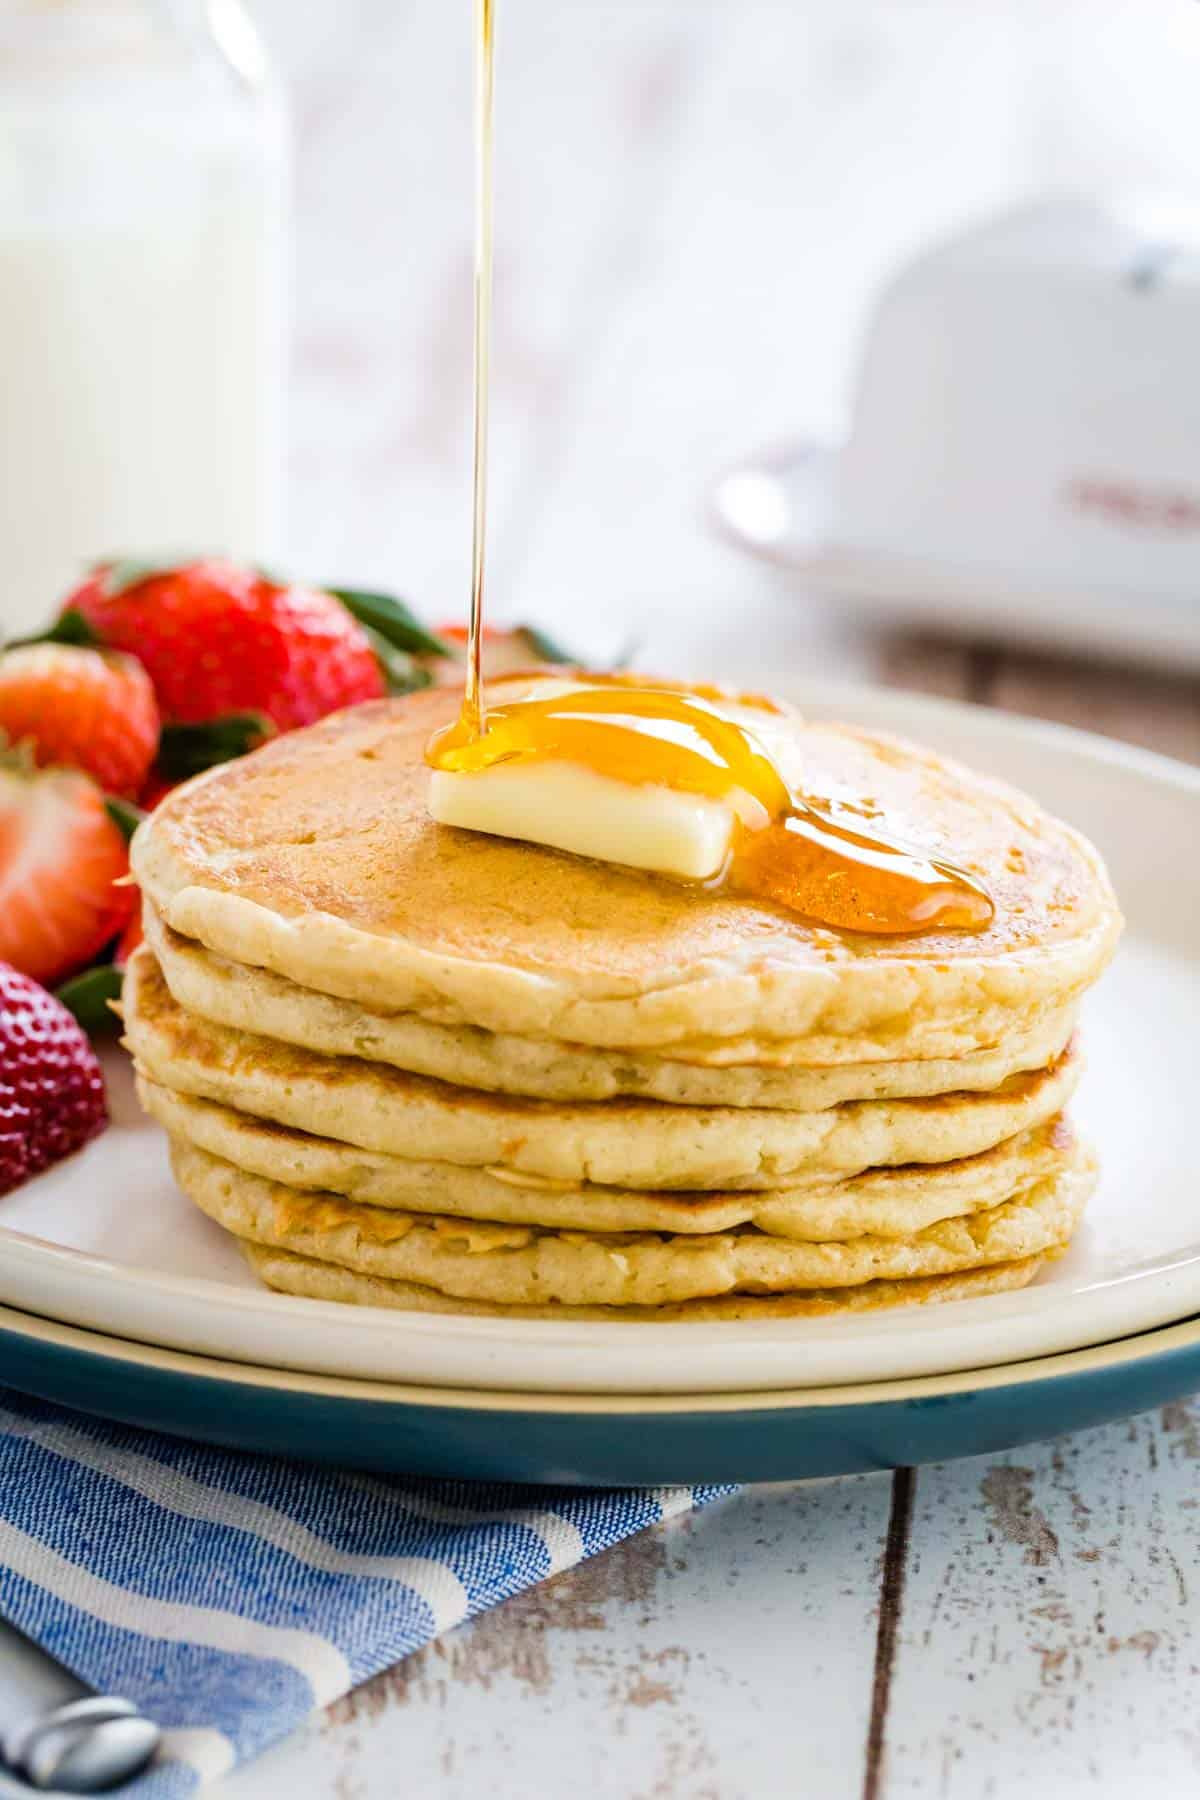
x=629, y=1143
x=288, y=1273
x=255, y=999
x=315, y=857
x=893, y=1203
x=518, y=1265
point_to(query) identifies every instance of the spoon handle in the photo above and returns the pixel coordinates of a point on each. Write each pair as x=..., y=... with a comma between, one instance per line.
x=55, y=1733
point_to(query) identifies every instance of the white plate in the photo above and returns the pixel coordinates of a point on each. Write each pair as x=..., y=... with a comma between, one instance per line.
x=107, y=1243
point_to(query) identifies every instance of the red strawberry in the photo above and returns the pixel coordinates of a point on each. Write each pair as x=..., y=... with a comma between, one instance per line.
x=507, y=650
x=157, y=787
x=130, y=938
x=89, y=709
x=60, y=854
x=51, y=1088
x=220, y=639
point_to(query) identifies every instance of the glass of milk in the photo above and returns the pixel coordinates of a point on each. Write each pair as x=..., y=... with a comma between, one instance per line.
x=143, y=174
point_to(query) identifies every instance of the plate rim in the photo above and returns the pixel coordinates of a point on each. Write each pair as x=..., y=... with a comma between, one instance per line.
x=1121, y=1354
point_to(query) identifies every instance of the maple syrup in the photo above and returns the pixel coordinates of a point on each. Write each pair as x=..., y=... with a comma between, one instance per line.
x=485, y=65
x=831, y=862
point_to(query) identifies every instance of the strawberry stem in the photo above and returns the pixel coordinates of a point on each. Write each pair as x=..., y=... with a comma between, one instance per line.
x=395, y=622
x=544, y=647
x=185, y=750
x=88, y=997
x=402, y=673
x=69, y=628
x=124, y=815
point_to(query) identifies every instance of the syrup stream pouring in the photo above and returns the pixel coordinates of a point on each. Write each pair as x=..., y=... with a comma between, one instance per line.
x=473, y=700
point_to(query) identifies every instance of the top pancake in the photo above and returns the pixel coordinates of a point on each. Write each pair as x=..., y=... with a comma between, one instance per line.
x=316, y=858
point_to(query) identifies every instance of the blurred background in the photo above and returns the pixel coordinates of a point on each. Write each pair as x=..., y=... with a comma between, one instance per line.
x=236, y=306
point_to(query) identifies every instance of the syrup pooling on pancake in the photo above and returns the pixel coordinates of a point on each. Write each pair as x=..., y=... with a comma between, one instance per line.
x=831, y=861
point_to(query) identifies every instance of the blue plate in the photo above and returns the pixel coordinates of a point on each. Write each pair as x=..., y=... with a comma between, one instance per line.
x=596, y=1439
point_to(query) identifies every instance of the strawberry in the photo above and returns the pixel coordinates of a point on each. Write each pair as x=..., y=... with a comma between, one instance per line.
x=51, y=1089
x=506, y=650
x=129, y=939
x=94, y=711
x=157, y=787
x=60, y=854
x=218, y=639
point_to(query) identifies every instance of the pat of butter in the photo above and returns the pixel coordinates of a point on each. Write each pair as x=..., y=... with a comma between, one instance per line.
x=573, y=808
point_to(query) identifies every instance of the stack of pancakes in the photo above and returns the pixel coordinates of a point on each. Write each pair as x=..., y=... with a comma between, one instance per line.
x=424, y=1068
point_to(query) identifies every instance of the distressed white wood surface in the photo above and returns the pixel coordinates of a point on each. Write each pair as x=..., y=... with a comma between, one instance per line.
x=634, y=1675
x=695, y=197
x=1049, y=1641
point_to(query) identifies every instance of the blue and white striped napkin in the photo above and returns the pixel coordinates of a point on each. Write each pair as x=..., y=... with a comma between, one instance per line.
x=228, y=1595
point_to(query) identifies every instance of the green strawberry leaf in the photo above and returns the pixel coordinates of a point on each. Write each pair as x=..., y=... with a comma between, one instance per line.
x=392, y=619
x=69, y=628
x=544, y=647
x=402, y=673
x=124, y=815
x=88, y=996
x=185, y=750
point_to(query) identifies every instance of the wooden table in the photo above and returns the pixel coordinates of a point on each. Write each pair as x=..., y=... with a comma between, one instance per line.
x=694, y=201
